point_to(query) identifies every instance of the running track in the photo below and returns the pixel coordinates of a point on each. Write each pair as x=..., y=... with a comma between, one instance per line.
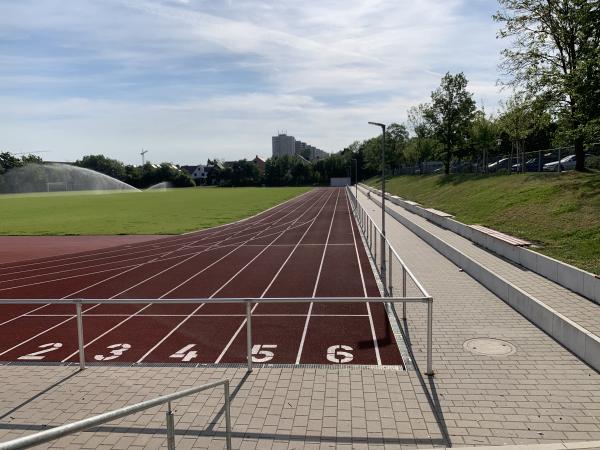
x=307, y=247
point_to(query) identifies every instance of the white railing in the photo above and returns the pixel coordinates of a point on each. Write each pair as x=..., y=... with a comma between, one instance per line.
x=375, y=242
x=197, y=301
x=85, y=424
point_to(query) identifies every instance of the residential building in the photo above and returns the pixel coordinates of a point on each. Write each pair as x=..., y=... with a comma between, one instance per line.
x=283, y=144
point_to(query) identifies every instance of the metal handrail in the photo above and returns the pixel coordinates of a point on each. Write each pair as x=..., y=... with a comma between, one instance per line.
x=370, y=232
x=395, y=253
x=247, y=301
x=81, y=425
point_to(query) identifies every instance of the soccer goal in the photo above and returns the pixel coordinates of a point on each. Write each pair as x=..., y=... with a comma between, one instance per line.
x=57, y=186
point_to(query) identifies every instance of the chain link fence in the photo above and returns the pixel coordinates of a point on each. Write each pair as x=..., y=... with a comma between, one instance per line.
x=548, y=160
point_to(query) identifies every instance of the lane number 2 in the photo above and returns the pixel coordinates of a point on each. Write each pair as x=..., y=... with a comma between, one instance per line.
x=116, y=351
x=262, y=352
x=340, y=354
x=47, y=348
x=185, y=354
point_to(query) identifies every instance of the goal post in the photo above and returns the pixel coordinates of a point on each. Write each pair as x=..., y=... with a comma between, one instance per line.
x=57, y=186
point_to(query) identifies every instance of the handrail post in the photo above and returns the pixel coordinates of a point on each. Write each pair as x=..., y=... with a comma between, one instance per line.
x=170, y=429
x=249, y=335
x=80, y=336
x=429, y=337
x=403, y=292
x=227, y=415
x=375, y=252
x=390, y=266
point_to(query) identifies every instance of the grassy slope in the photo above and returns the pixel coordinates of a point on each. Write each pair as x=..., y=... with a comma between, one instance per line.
x=151, y=212
x=560, y=213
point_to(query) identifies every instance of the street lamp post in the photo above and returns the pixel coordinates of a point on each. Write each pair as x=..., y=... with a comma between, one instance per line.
x=355, y=177
x=383, y=268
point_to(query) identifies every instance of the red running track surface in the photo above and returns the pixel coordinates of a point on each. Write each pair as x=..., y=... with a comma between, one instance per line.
x=306, y=247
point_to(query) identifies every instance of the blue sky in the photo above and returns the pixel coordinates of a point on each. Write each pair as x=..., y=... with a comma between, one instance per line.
x=193, y=79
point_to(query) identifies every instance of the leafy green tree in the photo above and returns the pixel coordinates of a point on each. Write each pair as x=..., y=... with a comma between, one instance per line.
x=102, y=164
x=450, y=113
x=483, y=136
x=8, y=161
x=555, y=56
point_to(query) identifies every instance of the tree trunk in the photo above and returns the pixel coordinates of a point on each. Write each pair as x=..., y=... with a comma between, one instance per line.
x=447, y=162
x=579, y=155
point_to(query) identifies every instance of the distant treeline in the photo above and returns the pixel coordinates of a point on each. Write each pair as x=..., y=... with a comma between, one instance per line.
x=140, y=177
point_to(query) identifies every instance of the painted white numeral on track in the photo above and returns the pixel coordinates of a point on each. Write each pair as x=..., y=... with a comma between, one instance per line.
x=38, y=355
x=340, y=354
x=117, y=350
x=184, y=354
x=262, y=353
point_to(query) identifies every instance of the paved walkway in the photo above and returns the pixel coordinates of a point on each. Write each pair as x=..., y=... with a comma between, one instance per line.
x=541, y=393
x=574, y=306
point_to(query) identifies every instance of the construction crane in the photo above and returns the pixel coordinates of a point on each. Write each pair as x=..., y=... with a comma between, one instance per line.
x=143, y=153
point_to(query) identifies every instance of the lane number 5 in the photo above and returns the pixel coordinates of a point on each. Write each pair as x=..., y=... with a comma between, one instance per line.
x=261, y=352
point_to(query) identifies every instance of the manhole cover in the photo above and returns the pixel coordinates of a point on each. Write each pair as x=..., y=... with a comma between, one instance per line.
x=489, y=347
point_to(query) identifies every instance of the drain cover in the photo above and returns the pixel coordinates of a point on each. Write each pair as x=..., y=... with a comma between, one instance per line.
x=489, y=347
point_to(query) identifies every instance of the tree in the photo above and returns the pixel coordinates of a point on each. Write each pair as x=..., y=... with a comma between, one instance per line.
x=555, y=56
x=450, y=114
x=102, y=164
x=519, y=120
x=483, y=136
x=8, y=161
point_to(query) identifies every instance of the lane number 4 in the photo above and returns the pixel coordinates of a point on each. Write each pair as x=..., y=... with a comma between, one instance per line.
x=340, y=354
x=185, y=354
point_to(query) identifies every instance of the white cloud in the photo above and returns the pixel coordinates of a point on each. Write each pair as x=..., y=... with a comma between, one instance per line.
x=120, y=75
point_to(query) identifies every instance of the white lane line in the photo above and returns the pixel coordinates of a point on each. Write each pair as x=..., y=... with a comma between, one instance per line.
x=179, y=248
x=73, y=269
x=65, y=321
x=138, y=313
x=58, y=324
x=196, y=315
x=131, y=266
x=301, y=348
x=150, y=245
x=213, y=294
x=373, y=334
x=239, y=329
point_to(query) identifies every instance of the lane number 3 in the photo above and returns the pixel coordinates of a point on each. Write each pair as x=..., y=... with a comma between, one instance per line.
x=116, y=351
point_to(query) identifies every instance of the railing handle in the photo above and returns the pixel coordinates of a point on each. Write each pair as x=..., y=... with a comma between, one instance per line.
x=170, y=428
x=227, y=414
x=430, y=338
x=80, y=336
x=249, y=335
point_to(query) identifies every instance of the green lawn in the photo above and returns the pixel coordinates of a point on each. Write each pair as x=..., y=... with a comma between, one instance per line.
x=172, y=211
x=560, y=213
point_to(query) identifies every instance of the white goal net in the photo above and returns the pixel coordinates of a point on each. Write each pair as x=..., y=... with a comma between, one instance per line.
x=57, y=186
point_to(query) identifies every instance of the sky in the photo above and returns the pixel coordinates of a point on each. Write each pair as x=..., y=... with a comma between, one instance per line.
x=188, y=80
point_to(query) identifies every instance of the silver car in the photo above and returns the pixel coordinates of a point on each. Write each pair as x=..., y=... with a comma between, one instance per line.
x=567, y=163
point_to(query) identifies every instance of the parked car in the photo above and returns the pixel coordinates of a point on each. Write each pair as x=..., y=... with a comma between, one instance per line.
x=498, y=165
x=566, y=163
x=533, y=164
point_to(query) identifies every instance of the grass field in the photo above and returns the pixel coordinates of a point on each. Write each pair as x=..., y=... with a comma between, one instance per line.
x=172, y=211
x=561, y=214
